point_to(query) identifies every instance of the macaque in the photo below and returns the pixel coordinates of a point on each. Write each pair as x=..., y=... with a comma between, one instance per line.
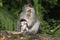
x=23, y=26
x=31, y=18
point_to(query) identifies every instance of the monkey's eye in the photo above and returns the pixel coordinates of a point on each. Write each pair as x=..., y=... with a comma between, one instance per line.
x=25, y=22
x=28, y=9
x=22, y=24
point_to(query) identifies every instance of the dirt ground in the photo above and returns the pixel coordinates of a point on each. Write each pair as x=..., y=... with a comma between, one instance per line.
x=13, y=35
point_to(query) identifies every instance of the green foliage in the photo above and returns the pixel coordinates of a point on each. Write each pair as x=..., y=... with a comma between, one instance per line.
x=40, y=10
x=7, y=21
x=52, y=3
x=1, y=3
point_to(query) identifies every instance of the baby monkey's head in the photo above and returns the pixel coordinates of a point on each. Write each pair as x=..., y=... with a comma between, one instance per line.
x=23, y=25
x=23, y=22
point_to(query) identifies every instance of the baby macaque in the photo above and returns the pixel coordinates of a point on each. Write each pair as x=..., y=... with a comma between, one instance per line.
x=23, y=26
x=31, y=18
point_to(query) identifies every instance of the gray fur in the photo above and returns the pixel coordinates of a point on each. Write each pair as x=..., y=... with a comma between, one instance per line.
x=32, y=20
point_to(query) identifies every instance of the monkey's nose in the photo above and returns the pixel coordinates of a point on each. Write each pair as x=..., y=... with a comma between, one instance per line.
x=29, y=10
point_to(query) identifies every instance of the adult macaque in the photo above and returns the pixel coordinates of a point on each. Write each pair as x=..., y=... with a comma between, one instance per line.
x=30, y=16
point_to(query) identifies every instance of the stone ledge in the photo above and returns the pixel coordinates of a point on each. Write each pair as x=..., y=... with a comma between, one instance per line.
x=14, y=35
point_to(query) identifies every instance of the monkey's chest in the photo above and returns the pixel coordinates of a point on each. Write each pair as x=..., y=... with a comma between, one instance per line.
x=30, y=21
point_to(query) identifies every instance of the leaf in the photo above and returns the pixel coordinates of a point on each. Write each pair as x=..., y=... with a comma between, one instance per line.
x=1, y=3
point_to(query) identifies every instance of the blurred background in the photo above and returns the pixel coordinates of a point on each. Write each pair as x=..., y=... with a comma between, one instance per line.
x=48, y=12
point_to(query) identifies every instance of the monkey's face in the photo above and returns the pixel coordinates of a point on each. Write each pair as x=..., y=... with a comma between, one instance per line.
x=28, y=11
x=23, y=26
x=23, y=23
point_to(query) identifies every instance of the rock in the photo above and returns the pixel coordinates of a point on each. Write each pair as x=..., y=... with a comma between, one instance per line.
x=13, y=35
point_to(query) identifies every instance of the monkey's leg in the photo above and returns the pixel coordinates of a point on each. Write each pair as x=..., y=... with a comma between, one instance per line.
x=35, y=28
